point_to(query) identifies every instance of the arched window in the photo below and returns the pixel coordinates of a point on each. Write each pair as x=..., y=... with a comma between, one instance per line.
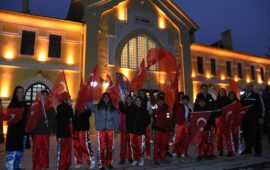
x=135, y=50
x=32, y=91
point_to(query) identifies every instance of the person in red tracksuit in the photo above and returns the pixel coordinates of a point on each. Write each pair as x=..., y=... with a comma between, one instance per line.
x=81, y=140
x=106, y=122
x=125, y=148
x=41, y=140
x=205, y=147
x=140, y=120
x=160, y=128
x=181, y=117
x=221, y=102
x=63, y=132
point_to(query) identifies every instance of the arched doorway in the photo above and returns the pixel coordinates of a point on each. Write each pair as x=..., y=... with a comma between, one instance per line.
x=32, y=90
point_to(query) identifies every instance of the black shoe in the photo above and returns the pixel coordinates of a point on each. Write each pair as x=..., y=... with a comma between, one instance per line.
x=110, y=167
x=165, y=162
x=122, y=162
x=156, y=162
x=220, y=153
x=130, y=160
x=210, y=157
x=102, y=168
x=230, y=154
x=199, y=158
x=169, y=154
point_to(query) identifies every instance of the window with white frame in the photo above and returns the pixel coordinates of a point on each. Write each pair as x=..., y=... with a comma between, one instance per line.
x=31, y=92
x=135, y=50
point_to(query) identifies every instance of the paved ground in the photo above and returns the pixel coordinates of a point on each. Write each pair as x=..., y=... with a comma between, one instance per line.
x=245, y=162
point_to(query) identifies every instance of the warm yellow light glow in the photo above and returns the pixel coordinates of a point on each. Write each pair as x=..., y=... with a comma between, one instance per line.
x=70, y=60
x=248, y=80
x=222, y=77
x=5, y=127
x=193, y=75
x=9, y=55
x=122, y=12
x=268, y=82
x=5, y=89
x=260, y=81
x=228, y=54
x=42, y=57
x=236, y=79
x=208, y=75
x=161, y=22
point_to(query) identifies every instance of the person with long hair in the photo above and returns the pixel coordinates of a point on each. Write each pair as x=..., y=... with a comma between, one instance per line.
x=16, y=137
x=221, y=102
x=141, y=120
x=106, y=121
x=126, y=108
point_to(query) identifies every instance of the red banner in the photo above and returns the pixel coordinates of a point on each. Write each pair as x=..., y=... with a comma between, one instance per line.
x=239, y=114
x=137, y=82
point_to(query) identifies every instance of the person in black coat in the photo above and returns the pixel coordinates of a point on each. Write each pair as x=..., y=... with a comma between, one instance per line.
x=63, y=132
x=141, y=120
x=16, y=137
x=127, y=109
x=210, y=102
x=252, y=120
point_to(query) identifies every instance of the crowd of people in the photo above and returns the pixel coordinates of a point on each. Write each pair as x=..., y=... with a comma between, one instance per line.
x=138, y=119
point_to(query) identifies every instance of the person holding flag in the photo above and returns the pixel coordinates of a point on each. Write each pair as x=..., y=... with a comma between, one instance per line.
x=106, y=122
x=16, y=137
x=252, y=120
x=41, y=132
x=181, y=118
x=82, y=146
x=221, y=102
x=64, y=142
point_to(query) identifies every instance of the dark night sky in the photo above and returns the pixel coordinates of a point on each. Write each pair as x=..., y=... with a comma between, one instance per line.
x=249, y=20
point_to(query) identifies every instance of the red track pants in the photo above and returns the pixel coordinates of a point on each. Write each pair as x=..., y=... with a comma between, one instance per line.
x=64, y=152
x=206, y=145
x=82, y=148
x=221, y=137
x=147, y=142
x=105, y=146
x=125, y=150
x=181, y=139
x=137, y=147
x=40, y=156
x=160, y=145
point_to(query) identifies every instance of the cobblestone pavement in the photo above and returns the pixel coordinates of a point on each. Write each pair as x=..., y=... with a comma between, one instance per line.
x=245, y=162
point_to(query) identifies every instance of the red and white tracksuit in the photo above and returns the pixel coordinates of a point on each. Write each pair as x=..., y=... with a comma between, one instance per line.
x=82, y=148
x=161, y=122
x=206, y=144
x=125, y=148
x=40, y=154
x=181, y=118
x=105, y=147
x=137, y=146
x=64, y=150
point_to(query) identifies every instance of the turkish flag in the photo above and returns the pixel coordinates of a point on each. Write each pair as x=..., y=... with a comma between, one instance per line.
x=91, y=90
x=36, y=111
x=235, y=88
x=227, y=116
x=123, y=86
x=153, y=56
x=198, y=123
x=137, y=82
x=13, y=115
x=113, y=90
x=239, y=114
x=59, y=87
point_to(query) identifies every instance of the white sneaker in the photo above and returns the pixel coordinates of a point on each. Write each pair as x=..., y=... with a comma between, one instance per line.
x=92, y=166
x=141, y=163
x=78, y=166
x=134, y=163
x=183, y=155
